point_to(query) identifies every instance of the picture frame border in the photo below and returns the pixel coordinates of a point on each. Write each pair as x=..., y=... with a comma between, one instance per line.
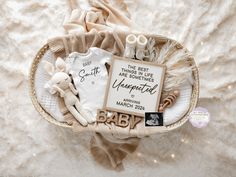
x=114, y=58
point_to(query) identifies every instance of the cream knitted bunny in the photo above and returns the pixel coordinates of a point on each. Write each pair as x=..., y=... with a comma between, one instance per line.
x=61, y=83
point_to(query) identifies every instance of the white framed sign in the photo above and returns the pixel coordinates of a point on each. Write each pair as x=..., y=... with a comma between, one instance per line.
x=134, y=87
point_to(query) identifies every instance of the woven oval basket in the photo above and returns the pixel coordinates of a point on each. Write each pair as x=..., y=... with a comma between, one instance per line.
x=48, y=117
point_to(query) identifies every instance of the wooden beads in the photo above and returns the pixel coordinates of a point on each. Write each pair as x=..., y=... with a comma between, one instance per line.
x=169, y=100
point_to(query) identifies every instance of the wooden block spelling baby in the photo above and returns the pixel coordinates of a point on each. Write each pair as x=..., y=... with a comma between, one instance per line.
x=134, y=87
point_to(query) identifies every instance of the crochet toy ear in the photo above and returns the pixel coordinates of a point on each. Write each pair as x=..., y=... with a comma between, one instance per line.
x=60, y=65
x=49, y=87
x=53, y=90
x=48, y=67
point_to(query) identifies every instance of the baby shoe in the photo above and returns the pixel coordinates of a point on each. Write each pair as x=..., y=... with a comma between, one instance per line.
x=131, y=41
x=140, y=48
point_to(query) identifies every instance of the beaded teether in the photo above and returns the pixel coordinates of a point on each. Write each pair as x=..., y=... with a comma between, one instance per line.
x=169, y=100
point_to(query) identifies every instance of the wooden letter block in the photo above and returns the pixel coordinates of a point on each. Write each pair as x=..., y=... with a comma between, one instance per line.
x=119, y=119
x=101, y=116
x=113, y=118
x=123, y=120
x=134, y=121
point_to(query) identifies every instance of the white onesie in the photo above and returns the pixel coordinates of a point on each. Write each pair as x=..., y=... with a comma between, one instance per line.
x=90, y=77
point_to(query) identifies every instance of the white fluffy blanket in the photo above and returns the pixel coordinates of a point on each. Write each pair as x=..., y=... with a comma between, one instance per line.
x=30, y=146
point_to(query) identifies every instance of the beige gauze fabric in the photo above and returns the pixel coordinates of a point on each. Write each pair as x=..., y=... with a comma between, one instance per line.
x=110, y=41
x=101, y=15
x=108, y=150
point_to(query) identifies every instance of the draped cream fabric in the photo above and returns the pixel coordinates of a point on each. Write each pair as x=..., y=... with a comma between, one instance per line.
x=102, y=15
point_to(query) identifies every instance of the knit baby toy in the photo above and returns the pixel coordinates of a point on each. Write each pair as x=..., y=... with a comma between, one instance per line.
x=61, y=82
